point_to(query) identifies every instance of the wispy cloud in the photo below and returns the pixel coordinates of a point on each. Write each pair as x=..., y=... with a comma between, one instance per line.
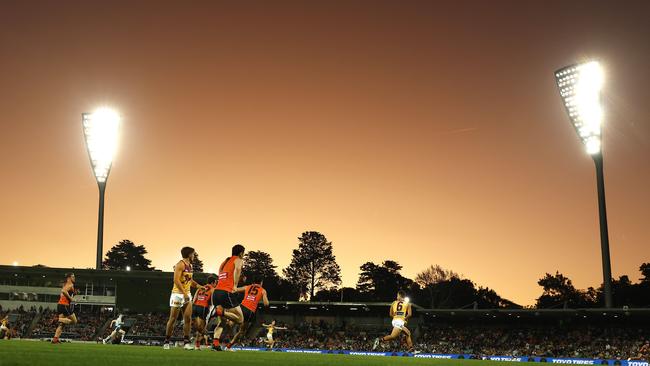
x=460, y=130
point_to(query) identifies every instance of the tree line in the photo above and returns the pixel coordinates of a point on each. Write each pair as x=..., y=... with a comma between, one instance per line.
x=314, y=275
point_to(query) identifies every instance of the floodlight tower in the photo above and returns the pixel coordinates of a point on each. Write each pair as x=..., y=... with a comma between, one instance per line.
x=580, y=86
x=101, y=133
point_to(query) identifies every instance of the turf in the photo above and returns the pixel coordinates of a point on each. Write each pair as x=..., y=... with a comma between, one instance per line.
x=15, y=352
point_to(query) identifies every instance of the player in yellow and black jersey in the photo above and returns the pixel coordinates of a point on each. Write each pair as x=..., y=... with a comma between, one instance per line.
x=400, y=311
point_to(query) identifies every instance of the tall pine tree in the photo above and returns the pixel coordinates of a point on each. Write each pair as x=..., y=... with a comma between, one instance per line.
x=313, y=265
x=127, y=254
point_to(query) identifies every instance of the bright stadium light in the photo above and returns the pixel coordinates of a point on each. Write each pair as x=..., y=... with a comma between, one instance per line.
x=407, y=300
x=580, y=86
x=15, y=264
x=128, y=268
x=101, y=130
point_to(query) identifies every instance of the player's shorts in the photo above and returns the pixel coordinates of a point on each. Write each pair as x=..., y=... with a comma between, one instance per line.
x=269, y=336
x=3, y=328
x=65, y=310
x=249, y=316
x=399, y=323
x=177, y=300
x=224, y=298
x=200, y=312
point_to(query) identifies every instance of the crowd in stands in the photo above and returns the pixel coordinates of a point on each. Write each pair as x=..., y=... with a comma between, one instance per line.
x=89, y=323
x=575, y=342
x=20, y=321
x=600, y=342
x=317, y=335
x=151, y=325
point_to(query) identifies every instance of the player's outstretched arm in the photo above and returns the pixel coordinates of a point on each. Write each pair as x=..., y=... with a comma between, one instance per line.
x=197, y=285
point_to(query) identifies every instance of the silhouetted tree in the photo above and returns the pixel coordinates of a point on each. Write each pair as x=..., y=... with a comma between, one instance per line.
x=645, y=271
x=430, y=277
x=487, y=298
x=443, y=288
x=623, y=292
x=381, y=282
x=559, y=291
x=642, y=289
x=455, y=293
x=283, y=291
x=197, y=264
x=259, y=264
x=126, y=253
x=313, y=265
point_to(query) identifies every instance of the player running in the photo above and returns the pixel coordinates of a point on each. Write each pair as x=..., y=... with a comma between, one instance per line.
x=269, y=333
x=201, y=309
x=118, y=327
x=65, y=307
x=223, y=298
x=4, y=327
x=400, y=311
x=181, y=298
x=253, y=293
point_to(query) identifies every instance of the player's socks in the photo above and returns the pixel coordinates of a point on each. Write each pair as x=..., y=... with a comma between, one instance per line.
x=215, y=345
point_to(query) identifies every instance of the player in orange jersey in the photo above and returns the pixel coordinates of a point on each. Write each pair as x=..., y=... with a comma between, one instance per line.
x=65, y=307
x=201, y=309
x=253, y=294
x=223, y=298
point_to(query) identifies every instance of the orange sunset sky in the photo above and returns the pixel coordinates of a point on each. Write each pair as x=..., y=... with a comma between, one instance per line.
x=428, y=132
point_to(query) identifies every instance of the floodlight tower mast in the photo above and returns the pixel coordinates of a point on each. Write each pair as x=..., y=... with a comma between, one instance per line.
x=101, y=135
x=580, y=86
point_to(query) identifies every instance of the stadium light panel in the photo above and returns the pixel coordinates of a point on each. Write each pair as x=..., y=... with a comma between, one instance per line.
x=101, y=132
x=580, y=87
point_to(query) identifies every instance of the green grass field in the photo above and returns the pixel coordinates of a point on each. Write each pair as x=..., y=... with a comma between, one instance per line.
x=16, y=352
